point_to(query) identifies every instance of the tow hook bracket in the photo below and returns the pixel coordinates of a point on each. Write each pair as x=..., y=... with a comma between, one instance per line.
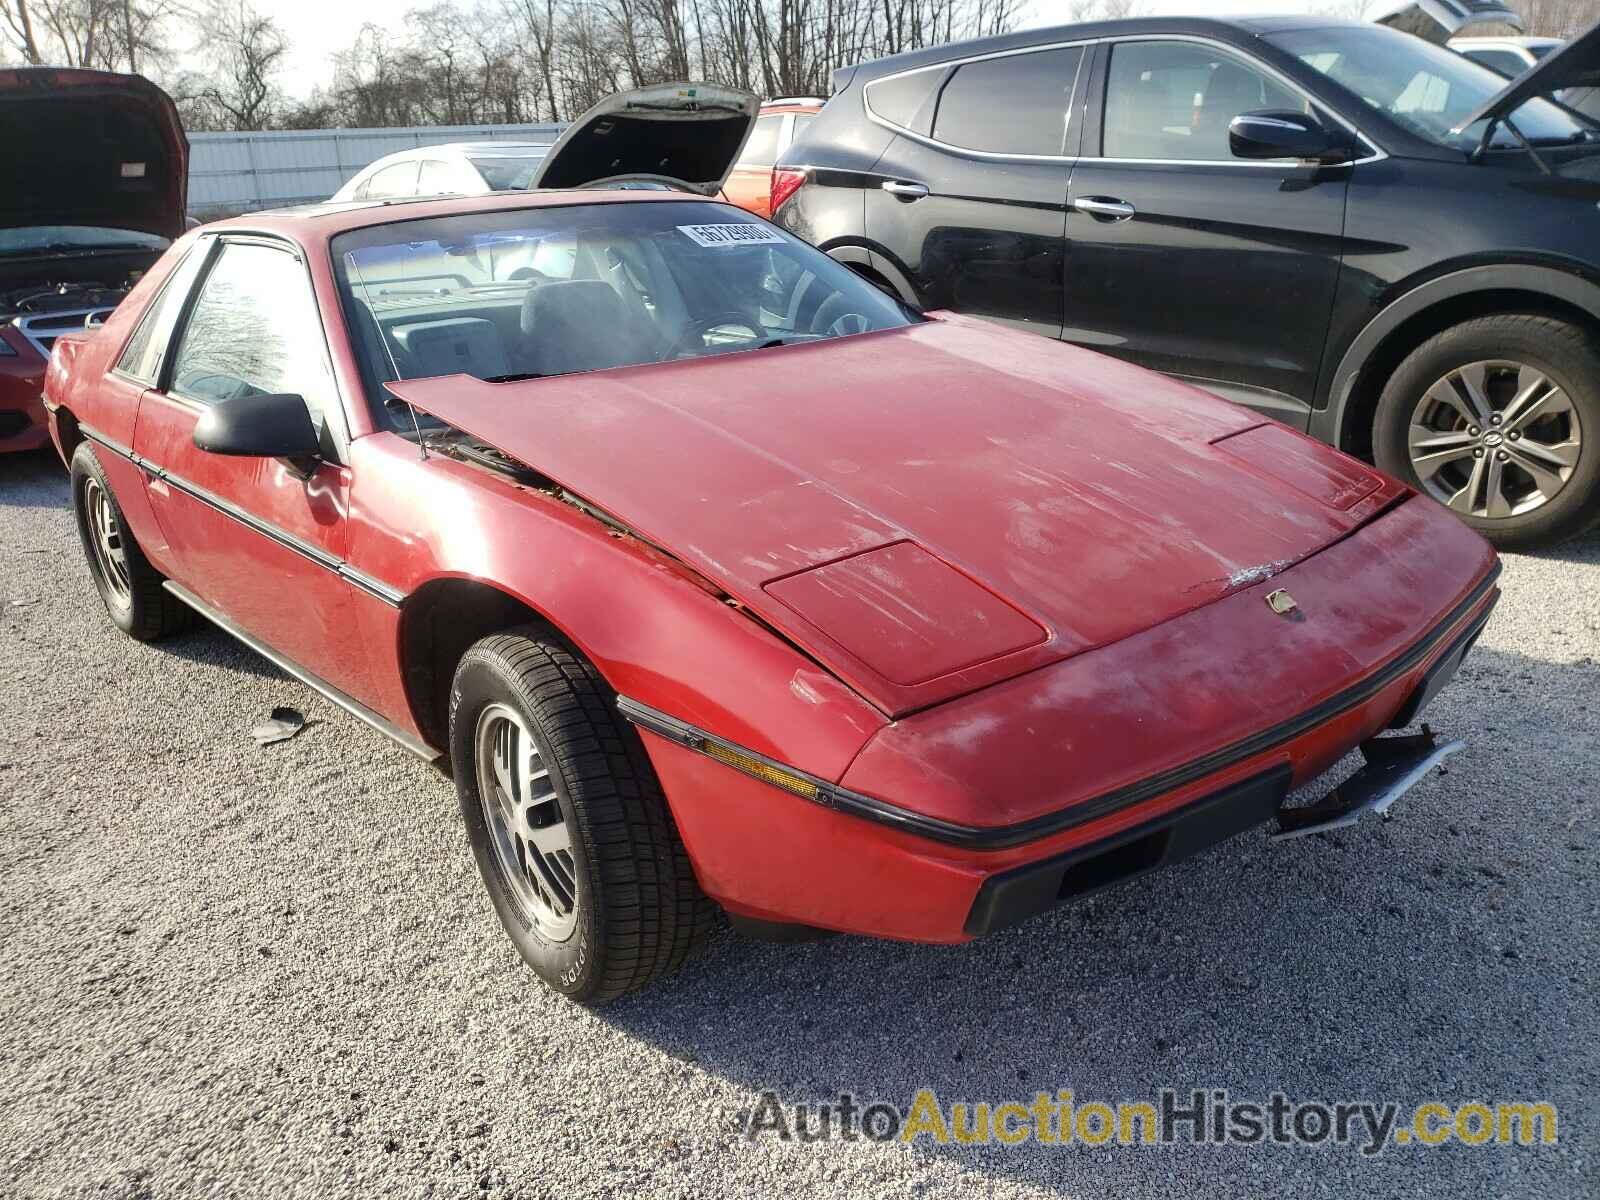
x=1394, y=765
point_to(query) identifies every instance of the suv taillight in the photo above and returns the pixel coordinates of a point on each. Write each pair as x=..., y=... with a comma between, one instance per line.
x=784, y=184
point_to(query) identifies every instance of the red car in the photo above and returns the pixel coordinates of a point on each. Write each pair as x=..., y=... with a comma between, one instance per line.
x=752, y=180
x=720, y=579
x=97, y=174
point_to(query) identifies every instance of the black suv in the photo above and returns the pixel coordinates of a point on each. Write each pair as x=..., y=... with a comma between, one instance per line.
x=1344, y=226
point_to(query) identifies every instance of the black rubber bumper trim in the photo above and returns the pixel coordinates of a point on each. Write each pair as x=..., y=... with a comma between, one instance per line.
x=999, y=837
x=1013, y=896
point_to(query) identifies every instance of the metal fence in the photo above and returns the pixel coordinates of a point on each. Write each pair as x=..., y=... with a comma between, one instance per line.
x=231, y=173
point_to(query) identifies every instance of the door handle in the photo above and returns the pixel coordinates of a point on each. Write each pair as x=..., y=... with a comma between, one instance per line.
x=904, y=190
x=1104, y=207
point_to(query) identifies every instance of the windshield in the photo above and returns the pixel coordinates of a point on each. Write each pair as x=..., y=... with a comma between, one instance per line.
x=1427, y=89
x=552, y=290
x=506, y=174
x=67, y=238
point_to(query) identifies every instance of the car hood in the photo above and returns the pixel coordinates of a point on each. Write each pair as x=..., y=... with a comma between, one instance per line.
x=1572, y=66
x=91, y=148
x=1440, y=20
x=688, y=134
x=928, y=510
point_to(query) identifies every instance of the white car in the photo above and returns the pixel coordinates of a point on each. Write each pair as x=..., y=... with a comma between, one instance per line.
x=453, y=169
x=1510, y=56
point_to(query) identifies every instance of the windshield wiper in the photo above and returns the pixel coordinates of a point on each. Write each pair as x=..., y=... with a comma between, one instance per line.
x=514, y=377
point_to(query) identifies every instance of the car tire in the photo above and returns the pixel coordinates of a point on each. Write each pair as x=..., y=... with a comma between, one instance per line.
x=129, y=586
x=607, y=902
x=1520, y=482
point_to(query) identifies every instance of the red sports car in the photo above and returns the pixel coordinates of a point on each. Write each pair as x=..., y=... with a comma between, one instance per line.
x=720, y=579
x=96, y=176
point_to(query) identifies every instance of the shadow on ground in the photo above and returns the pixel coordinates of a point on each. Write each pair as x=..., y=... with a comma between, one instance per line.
x=1407, y=960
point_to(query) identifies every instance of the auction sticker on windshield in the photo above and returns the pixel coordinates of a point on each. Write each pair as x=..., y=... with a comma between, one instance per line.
x=729, y=235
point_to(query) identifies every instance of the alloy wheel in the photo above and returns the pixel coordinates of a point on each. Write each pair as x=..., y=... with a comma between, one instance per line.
x=532, y=840
x=1495, y=439
x=105, y=539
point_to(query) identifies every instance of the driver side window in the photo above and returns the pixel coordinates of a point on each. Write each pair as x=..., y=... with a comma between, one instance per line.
x=254, y=330
x=1175, y=100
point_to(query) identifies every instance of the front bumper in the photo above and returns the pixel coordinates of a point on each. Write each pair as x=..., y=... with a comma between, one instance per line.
x=1113, y=762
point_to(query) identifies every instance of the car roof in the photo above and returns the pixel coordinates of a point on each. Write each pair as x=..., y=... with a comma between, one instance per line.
x=1234, y=29
x=1528, y=43
x=310, y=222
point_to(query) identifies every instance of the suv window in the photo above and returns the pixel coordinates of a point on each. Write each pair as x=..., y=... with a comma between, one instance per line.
x=1174, y=100
x=1012, y=105
x=142, y=357
x=398, y=180
x=254, y=330
x=906, y=100
x=762, y=148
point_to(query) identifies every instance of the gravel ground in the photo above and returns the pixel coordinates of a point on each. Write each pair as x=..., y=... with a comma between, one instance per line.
x=240, y=971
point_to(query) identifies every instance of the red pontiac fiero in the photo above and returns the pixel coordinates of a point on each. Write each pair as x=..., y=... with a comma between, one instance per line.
x=721, y=579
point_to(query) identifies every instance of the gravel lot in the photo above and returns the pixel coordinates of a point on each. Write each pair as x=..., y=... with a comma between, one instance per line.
x=241, y=971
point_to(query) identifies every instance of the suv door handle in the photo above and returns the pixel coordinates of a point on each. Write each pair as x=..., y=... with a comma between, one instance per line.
x=1106, y=207
x=904, y=190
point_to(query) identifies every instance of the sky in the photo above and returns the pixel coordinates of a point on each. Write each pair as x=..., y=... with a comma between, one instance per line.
x=318, y=29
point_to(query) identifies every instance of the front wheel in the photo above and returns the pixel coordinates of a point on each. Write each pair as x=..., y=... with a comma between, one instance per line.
x=571, y=832
x=1498, y=419
x=129, y=587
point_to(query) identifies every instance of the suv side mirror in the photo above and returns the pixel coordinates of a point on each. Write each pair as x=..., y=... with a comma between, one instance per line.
x=1284, y=133
x=266, y=426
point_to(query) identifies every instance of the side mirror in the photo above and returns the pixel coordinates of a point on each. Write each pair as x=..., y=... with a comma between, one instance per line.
x=259, y=427
x=1285, y=133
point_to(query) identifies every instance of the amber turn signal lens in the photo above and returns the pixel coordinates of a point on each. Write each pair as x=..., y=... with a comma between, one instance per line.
x=764, y=771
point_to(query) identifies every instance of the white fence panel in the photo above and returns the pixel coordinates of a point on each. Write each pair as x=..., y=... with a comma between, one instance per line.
x=238, y=172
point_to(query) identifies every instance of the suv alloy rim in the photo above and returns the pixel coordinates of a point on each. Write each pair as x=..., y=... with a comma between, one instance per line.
x=532, y=841
x=1494, y=439
x=110, y=561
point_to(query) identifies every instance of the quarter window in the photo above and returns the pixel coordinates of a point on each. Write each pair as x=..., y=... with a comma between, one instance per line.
x=1175, y=100
x=762, y=148
x=253, y=331
x=398, y=180
x=147, y=348
x=1012, y=105
x=438, y=179
x=906, y=100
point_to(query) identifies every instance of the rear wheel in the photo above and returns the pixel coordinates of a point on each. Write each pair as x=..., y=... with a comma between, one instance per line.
x=567, y=821
x=1498, y=419
x=128, y=585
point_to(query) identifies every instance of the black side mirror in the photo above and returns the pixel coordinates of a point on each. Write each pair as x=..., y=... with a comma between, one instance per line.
x=1285, y=133
x=265, y=426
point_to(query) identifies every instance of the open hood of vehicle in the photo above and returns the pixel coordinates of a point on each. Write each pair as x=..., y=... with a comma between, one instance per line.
x=930, y=509
x=1575, y=65
x=1440, y=20
x=91, y=148
x=683, y=133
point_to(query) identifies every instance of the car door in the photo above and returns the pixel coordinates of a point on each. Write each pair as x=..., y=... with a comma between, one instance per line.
x=1186, y=259
x=972, y=194
x=258, y=541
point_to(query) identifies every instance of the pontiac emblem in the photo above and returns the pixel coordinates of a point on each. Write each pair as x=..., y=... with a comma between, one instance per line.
x=1281, y=603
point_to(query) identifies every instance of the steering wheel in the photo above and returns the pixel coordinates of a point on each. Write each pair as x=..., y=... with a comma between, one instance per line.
x=693, y=335
x=834, y=318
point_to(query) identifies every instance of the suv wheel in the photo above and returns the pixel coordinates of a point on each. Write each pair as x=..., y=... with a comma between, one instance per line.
x=567, y=821
x=128, y=585
x=1499, y=420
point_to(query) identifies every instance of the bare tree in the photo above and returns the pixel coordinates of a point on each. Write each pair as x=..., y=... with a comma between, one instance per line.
x=241, y=91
